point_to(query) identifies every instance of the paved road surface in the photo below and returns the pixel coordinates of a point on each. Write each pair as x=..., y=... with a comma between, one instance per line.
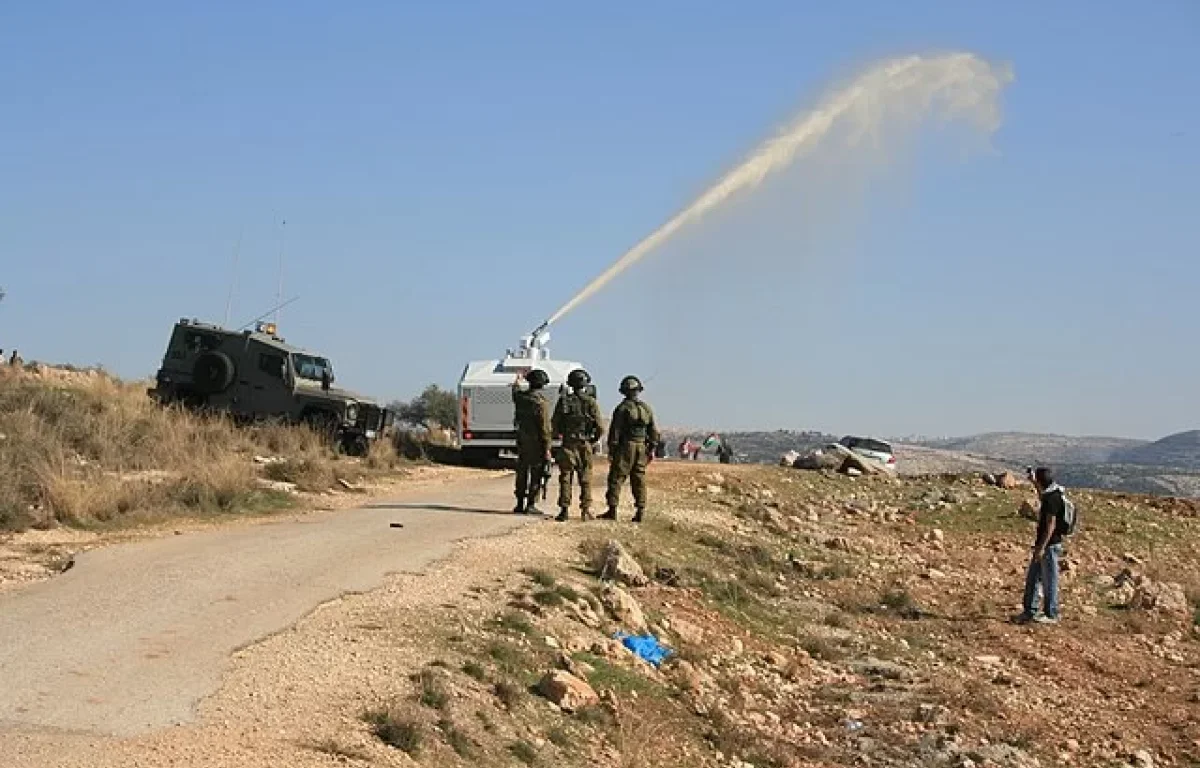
x=135, y=635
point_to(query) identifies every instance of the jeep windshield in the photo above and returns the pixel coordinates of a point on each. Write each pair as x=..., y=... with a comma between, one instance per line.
x=311, y=367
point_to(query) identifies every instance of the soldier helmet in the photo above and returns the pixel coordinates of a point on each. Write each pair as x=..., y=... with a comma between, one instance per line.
x=537, y=378
x=630, y=384
x=578, y=378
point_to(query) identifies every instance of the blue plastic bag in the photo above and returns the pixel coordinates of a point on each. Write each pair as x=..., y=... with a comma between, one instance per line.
x=646, y=647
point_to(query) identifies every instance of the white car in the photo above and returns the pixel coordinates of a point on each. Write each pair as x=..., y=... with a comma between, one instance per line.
x=871, y=448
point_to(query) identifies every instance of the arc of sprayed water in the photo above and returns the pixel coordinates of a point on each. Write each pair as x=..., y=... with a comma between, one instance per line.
x=961, y=84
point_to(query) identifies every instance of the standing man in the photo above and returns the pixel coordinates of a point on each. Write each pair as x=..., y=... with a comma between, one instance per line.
x=532, y=420
x=630, y=438
x=578, y=421
x=1047, y=550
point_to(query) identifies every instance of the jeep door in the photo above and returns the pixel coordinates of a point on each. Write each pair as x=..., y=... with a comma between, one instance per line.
x=268, y=377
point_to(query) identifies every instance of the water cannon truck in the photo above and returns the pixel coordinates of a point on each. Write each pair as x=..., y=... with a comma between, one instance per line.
x=485, y=407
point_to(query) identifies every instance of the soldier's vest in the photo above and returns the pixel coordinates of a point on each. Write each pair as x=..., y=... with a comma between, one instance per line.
x=637, y=425
x=576, y=422
x=525, y=413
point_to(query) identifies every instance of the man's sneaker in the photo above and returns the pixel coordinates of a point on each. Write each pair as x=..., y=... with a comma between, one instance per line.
x=1042, y=618
x=562, y=517
x=611, y=514
x=637, y=517
x=586, y=515
x=532, y=510
x=519, y=509
x=1022, y=618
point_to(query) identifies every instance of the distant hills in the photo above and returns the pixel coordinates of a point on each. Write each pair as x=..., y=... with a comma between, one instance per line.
x=1029, y=448
x=1181, y=449
x=1170, y=466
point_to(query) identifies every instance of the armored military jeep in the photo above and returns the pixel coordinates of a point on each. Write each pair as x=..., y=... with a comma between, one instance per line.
x=255, y=375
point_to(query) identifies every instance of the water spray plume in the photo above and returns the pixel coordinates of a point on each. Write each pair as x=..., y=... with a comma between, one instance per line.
x=958, y=86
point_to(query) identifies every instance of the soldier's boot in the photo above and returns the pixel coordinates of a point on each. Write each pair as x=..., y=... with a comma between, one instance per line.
x=531, y=506
x=562, y=515
x=611, y=514
x=637, y=516
x=586, y=514
x=520, y=508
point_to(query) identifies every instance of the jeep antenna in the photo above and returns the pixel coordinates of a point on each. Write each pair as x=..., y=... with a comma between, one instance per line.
x=274, y=309
x=237, y=252
x=279, y=293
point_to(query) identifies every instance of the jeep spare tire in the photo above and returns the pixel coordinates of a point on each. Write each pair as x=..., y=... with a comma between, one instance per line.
x=212, y=373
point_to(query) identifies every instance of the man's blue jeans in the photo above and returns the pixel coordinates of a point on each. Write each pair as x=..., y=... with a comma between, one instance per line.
x=1043, y=573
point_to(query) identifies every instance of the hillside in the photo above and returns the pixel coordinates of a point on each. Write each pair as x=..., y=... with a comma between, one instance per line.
x=1029, y=448
x=1179, y=450
x=83, y=449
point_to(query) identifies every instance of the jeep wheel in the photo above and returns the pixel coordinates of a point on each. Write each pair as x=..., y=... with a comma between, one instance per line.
x=355, y=445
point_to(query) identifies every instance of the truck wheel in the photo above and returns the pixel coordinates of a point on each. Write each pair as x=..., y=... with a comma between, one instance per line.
x=212, y=373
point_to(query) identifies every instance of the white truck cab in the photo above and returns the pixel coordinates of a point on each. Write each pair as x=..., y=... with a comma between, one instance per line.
x=485, y=406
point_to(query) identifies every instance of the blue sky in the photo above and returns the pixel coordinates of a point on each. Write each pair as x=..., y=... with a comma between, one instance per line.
x=450, y=174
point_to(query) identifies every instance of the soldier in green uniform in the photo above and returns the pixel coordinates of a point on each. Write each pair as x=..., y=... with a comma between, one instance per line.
x=631, y=435
x=578, y=421
x=532, y=420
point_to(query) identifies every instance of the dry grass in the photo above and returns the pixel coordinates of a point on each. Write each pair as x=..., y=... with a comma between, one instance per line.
x=88, y=449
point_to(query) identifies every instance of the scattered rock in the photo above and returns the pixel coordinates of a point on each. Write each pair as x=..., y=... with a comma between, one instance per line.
x=1164, y=597
x=1007, y=481
x=1132, y=559
x=952, y=497
x=1028, y=511
x=618, y=565
x=1142, y=759
x=567, y=691
x=687, y=632
x=840, y=543
x=888, y=670
x=624, y=608
x=936, y=536
x=686, y=676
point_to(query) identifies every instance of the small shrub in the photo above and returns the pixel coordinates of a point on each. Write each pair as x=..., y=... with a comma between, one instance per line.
x=508, y=657
x=474, y=670
x=714, y=542
x=837, y=619
x=559, y=737
x=596, y=715
x=458, y=740
x=548, y=598
x=516, y=623
x=542, y=578
x=432, y=690
x=397, y=728
x=509, y=693
x=901, y=602
x=822, y=648
x=523, y=751
x=567, y=592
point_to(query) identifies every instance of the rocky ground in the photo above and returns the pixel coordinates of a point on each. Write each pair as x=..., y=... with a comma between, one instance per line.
x=815, y=620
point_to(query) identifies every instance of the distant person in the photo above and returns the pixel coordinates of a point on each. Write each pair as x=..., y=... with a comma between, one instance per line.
x=631, y=437
x=532, y=420
x=577, y=419
x=15, y=360
x=724, y=453
x=1047, y=551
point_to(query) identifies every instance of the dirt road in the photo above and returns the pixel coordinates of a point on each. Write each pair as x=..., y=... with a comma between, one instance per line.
x=135, y=635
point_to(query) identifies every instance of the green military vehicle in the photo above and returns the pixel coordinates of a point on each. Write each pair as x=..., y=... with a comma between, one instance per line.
x=256, y=375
